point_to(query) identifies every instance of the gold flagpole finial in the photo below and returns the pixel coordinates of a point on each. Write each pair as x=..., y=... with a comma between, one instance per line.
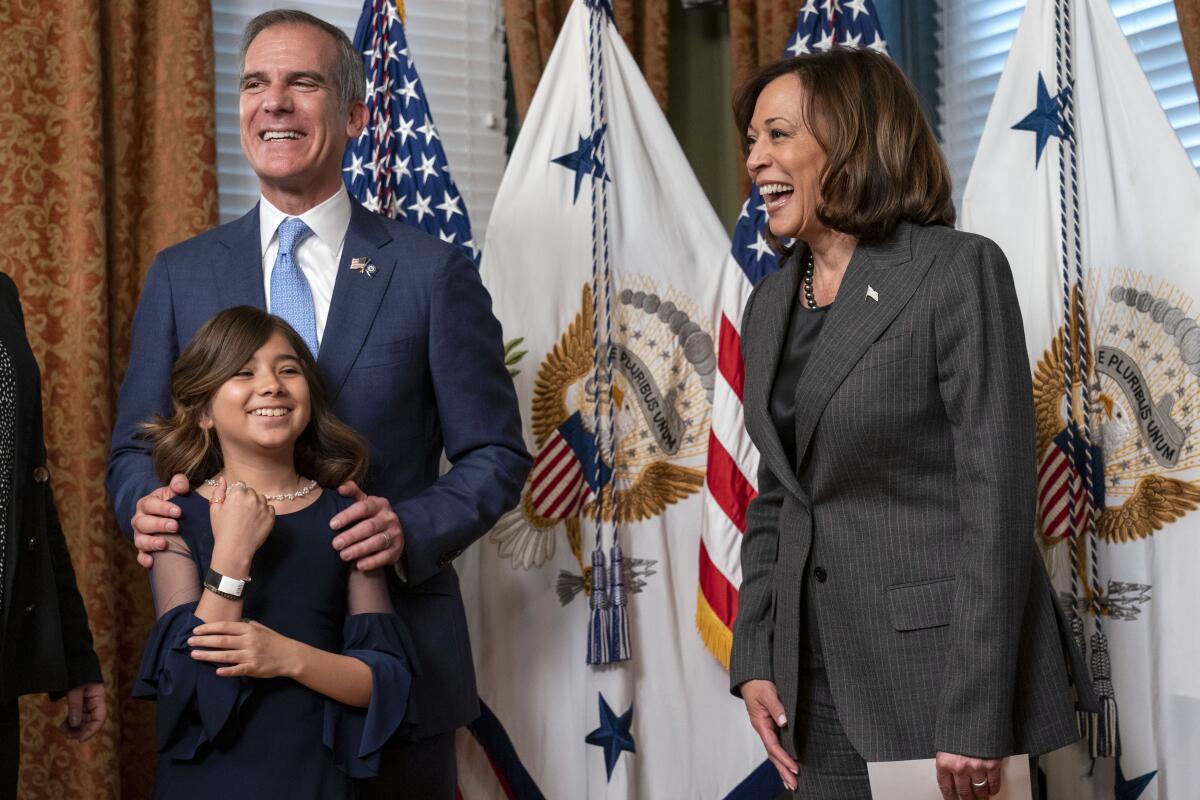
x=400, y=9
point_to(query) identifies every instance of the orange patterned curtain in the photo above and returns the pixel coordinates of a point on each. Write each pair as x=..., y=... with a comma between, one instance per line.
x=1188, y=12
x=758, y=32
x=107, y=154
x=532, y=28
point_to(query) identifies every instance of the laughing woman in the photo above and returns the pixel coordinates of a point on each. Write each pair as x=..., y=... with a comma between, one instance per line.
x=893, y=605
x=279, y=670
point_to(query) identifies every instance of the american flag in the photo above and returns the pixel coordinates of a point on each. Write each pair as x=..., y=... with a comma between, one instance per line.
x=732, y=459
x=559, y=484
x=1061, y=496
x=398, y=167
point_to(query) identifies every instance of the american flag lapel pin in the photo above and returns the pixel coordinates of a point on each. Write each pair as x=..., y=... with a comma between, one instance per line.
x=363, y=265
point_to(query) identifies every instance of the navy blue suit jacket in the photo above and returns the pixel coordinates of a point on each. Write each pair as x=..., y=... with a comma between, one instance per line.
x=413, y=360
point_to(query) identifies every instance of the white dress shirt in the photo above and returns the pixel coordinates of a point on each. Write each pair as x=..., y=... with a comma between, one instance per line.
x=318, y=255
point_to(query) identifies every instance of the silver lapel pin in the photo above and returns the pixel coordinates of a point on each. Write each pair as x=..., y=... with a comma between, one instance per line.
x=871, y=293
x=363, y=265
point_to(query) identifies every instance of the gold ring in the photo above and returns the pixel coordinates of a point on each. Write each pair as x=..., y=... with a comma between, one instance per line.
x=239, y=484
x=981, y=784
x=387, y=539
x=216, y=500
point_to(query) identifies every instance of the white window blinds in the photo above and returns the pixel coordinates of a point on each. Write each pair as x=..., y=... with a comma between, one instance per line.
x=974, y=40
x=458, y=47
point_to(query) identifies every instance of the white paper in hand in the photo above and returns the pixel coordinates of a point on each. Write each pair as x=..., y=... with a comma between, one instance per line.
x=917, y=780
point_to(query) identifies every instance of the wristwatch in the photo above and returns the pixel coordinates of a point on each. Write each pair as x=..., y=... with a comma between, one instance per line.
x=223, y=585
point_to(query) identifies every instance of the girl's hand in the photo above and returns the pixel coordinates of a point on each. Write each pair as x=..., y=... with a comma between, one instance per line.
x=247, y=649
x=241, y=518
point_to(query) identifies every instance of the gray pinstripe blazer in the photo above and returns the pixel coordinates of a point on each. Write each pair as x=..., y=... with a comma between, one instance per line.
x=938, y=623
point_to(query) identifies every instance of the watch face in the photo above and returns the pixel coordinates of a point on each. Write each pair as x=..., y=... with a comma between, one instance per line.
x=223, y=585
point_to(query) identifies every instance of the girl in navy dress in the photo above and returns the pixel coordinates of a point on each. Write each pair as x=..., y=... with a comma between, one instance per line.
x=279, y=669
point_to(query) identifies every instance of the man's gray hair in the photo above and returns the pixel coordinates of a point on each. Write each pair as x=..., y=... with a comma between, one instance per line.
x=349, y=80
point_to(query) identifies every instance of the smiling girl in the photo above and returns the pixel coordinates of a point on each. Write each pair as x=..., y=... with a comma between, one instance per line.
x=279, y=670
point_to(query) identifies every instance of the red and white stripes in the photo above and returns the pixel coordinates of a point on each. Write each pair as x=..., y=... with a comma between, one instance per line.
x=730, y=479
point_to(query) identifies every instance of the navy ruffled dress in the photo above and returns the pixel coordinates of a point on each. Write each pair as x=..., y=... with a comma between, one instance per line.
x=266, y=738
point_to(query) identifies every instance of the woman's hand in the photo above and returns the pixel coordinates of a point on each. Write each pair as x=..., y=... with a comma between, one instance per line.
x=249, y=649
x=767, y=717
x=241, y=521
x=964, y=778
x=86, y=711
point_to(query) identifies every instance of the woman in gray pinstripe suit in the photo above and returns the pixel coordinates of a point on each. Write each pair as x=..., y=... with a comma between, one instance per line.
x=893, y=603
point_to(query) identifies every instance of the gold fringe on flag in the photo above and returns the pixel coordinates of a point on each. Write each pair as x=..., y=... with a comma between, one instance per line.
x=400, y=9
x=716, y=637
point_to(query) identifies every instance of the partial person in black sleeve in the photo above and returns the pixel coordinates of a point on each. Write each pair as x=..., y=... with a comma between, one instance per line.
x=45, y=644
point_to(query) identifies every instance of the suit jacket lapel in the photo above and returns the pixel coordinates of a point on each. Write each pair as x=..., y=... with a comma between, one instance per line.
x=356, y=296
x=239, y=277
x=878, y=283
x=772, y=309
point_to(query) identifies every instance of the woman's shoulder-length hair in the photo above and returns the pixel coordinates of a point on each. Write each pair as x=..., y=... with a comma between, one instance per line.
x=884, y=164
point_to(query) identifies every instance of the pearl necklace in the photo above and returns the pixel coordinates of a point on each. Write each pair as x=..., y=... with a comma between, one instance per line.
x=296, y=495
x=809, y=295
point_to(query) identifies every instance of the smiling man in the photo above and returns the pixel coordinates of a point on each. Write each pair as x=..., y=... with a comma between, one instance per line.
x=411, y=354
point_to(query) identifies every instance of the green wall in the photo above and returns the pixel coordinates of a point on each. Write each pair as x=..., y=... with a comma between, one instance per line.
x=699, y=104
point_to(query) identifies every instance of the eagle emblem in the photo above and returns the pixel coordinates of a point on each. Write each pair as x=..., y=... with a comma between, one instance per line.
x=1132, y=433
x=662, y=370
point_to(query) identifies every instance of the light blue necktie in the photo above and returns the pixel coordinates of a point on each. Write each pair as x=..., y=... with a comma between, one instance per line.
x=291, y=298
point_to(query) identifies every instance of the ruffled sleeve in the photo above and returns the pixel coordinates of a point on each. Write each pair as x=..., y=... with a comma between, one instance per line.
x=194, y=704
x=353, y=735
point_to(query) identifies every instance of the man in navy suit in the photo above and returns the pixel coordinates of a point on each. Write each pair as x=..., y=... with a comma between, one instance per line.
x=411, y=352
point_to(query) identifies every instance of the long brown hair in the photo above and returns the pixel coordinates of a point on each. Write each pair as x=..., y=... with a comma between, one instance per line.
x=328, y=450
x=884, y=164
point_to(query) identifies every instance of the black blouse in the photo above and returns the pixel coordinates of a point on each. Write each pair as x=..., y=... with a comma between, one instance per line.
x=804, y=329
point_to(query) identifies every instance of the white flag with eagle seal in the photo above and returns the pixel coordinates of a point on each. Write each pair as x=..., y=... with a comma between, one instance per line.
x=1083, y=183
x=603, y=258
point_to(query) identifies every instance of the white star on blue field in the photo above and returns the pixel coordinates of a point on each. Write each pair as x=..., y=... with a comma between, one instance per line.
x=397, y=167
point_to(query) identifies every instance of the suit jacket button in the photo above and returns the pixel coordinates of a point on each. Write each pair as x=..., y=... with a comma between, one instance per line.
x=446, y=559
x=32, y=543
x=29, y=609
x=820, y=574
x=40, y=475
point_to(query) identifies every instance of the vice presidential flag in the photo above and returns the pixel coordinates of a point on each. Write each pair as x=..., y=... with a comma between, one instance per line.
x=604, y=256
x=1081, y=180
x=732, y=459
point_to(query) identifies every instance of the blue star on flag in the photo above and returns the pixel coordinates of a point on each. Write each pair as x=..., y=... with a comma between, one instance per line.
x=1046, y=119
x=583, y=160
x=1130, y=789
x=613, y=734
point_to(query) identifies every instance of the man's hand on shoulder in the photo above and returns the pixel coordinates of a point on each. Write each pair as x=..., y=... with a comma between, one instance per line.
x=370, y=531
x=157, y=515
